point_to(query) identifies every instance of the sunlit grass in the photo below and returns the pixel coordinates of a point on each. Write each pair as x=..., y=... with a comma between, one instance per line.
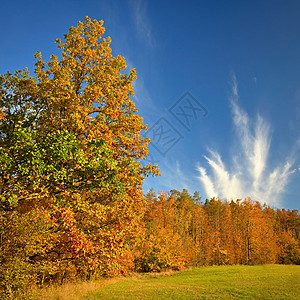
x=220, y=282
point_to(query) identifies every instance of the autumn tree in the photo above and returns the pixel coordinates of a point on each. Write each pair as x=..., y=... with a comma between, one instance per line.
x=287, y=227
x=71, y=145
x=162, y=247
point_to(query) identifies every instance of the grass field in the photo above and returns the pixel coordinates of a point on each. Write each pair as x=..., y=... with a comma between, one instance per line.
x=220, y=282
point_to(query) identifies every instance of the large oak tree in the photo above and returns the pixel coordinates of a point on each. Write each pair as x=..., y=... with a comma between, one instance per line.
x=70, y=150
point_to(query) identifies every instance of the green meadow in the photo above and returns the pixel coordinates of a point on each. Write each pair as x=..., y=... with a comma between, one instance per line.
x=218, y=282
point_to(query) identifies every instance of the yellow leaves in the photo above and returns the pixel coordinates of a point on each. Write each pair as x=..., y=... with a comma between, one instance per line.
x=93, y=194
x=2, y=114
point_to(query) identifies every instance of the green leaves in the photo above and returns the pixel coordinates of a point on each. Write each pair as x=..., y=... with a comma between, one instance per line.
x=57, y=160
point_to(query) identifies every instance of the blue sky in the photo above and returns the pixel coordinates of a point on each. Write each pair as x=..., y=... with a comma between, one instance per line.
x=218, y=85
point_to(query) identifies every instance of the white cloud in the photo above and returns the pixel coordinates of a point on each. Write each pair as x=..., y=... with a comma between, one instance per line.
x=141, y=21
x=250, y=175
x=207, y=182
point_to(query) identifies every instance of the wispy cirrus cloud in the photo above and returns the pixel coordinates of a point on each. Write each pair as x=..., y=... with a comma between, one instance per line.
x=250, y=174
x=142, y=24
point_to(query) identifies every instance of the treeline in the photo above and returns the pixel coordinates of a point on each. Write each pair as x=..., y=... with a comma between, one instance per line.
x=181, y=231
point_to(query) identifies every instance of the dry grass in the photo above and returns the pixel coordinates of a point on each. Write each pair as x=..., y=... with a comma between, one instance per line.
x=69, y=291
x=66, y=291
x=76, y=291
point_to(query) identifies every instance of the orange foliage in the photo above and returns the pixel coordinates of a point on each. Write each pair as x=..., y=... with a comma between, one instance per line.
x=216, y=232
